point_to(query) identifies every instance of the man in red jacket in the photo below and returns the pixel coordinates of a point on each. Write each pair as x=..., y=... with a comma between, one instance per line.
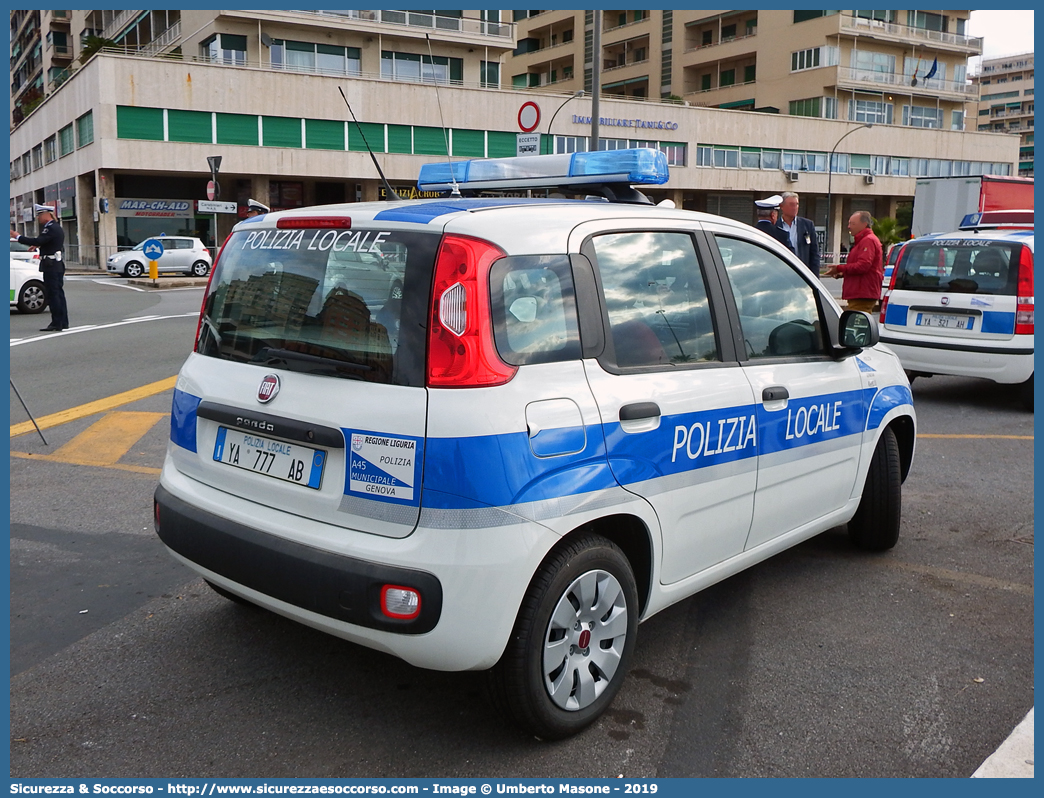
x=863, y=270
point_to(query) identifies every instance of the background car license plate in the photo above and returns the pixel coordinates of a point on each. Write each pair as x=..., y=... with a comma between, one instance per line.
x=945, y=320
x=286, y=461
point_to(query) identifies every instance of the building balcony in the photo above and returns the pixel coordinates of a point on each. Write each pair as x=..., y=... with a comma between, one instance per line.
x=61, y=52
x=419, y=21
x=119, y=22
x=165, y=41
x=904, y=34
x=867, y=80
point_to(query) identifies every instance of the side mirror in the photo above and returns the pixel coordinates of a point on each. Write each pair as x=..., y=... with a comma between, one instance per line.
x=857, y=330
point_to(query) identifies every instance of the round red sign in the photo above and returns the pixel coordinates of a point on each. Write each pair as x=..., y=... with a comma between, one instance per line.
x=528, y=116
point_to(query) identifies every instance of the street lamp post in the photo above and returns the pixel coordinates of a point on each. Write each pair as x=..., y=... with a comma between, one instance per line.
x=573, y=96
x=830, y=177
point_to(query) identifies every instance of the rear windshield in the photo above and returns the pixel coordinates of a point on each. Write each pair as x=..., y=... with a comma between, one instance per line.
x=331, y=302
x=960, y=265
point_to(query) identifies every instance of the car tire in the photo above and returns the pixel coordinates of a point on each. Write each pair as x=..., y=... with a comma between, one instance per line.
x=133, y=269
x=200, y=268
x=31, y=297
x=1026, y=394
x=875, y=526
x=573, y=639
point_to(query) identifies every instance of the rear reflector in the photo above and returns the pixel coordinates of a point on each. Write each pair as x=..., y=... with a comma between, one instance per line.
x=401, y=603
x=313, y=222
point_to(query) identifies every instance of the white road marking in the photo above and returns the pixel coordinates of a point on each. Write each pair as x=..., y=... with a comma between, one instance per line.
x=118, y=285
x=88, y=328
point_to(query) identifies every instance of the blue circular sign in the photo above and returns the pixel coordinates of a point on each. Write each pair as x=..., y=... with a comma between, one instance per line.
x=152, y=249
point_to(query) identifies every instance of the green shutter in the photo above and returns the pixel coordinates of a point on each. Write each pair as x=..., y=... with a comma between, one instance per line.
x=373, y=132
x=324, y=134
x=501, y=145
x=237, y=129
x=139, y=123
x=189, y=126
x=400, y=139
x=469, y=143
x=281, y=131
x=859, y=161
x=428, y=141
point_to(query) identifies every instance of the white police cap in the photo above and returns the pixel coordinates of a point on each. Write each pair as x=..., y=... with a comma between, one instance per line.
x=38, y=209
x=254, y=205
x=771, y=203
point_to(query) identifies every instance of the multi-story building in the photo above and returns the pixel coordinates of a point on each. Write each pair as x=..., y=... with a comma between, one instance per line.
x=887, y=67
x=121, y=137
x=1006, y=102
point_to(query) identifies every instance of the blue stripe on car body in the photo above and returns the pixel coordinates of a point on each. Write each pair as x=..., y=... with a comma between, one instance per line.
x=183, y=419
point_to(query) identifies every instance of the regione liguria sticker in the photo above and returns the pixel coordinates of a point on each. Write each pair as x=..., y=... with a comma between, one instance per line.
x=383, y=467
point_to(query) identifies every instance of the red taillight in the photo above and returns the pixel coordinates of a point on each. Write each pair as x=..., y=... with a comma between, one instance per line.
x=156, y=513
x=210, y=279
x=322, y=222
x=891, y=283
x=1024, y=308
x=461, y=350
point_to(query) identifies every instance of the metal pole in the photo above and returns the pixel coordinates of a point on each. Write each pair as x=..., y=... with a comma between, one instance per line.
x=20, y=399
x=596, y=69
x=830, y=178
x=574, y=95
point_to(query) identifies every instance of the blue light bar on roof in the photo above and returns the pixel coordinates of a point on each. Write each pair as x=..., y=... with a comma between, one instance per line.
x=637, y=166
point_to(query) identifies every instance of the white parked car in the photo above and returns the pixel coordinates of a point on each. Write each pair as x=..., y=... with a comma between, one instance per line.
x=180, y=254
x=27, y=289
x=961, y=303
x=21, y=251
x=571, y=415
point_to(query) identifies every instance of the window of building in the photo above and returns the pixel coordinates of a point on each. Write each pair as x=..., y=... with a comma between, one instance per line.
x=38, y=157
x=726, y=157
x=51, y=149
x=750, y=73
x=490, y=74
x=880, y=16
x=877, y=66
x=728, y=32
x=325, y=59
x=424, y=68
x=814, y=57
x=676, y=153
x=820, y=107
x=727, y=78
x=957, y=120
x=926, y=20
x=804, y=16
x=750, y=158
x=27, y=163
x=707, y=38
x=705, y=82
x=922, y=116
x=224, y=48
x=65, y=141
x=878, y=113
x=920, y=68
x=771, y=159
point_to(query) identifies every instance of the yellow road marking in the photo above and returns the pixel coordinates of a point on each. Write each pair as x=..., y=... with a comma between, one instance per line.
x=107, y=440
x=980, y=437
x=117, y=466
x=93, y=408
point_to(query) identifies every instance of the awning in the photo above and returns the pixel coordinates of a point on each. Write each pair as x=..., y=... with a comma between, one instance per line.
x=625, y=82
x=737, y=104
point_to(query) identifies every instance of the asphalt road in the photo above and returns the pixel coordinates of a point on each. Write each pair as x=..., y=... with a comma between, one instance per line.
x=822, y=661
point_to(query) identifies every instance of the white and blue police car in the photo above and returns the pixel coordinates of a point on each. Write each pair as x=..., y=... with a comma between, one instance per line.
x=961, y=303
x=489, y=433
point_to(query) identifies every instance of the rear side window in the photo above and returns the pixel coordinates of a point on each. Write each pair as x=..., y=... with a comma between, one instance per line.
x=656, y=299
x=534, y=310
x=967, y=266
x=327, y=302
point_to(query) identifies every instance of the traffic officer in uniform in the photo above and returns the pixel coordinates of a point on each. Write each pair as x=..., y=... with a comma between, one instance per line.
x=255, y=208
x=768, y=215
x=52, y=263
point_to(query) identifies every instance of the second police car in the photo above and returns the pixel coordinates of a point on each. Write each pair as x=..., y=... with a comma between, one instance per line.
x=568, y=416
x=961, y=303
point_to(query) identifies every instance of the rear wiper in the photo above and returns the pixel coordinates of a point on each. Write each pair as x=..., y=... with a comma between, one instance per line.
x=271, y=356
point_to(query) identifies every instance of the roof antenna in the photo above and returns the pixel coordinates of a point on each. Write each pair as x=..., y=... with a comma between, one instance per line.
x=456, y=189
x=387, y=186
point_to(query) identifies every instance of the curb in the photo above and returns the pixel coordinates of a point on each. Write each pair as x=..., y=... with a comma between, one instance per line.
x=1014, y=758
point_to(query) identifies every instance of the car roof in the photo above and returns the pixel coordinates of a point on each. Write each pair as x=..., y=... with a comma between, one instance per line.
x=992, y=234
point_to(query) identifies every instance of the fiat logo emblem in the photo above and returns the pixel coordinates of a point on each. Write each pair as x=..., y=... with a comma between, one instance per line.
x=268, y=388
x=945, y=300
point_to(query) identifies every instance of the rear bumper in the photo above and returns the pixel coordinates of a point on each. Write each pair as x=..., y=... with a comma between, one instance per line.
x=332, y=585
x=1004, y=364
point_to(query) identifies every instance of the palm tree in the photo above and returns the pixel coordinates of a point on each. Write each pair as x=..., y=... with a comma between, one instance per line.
x=888, y=231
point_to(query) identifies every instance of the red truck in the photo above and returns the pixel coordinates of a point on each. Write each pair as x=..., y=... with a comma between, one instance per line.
x=941, y=203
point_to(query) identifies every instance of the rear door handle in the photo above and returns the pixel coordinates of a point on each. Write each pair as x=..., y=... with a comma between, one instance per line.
x=639, y=410
x=774, y=393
